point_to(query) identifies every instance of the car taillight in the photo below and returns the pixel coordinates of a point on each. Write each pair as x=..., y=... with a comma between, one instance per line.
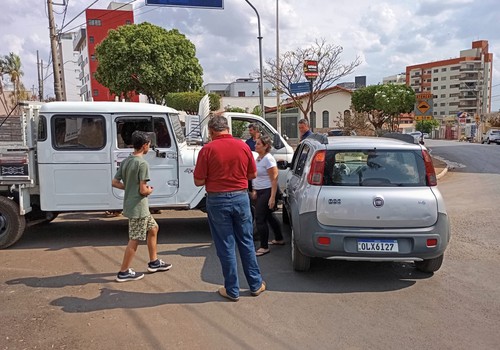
x=430, y=173
x=315, y=176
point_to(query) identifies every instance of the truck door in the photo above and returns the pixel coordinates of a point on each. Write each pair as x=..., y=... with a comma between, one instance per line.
x=162, y=157
x=74, y=163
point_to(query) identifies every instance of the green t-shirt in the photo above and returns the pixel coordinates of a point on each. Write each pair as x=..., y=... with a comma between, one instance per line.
x=131, y=171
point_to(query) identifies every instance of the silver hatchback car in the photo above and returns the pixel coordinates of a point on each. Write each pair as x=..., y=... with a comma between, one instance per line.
x=364, y=198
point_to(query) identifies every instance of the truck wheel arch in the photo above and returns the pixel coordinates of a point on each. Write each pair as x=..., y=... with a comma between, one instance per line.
x=12, y=224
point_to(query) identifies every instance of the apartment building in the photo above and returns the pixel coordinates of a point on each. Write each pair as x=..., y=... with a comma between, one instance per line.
x=70, y=82
x=458, y=85
x=99, y=22
x=398, y=79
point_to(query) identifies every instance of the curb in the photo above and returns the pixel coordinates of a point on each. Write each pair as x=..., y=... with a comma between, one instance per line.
x=442, y=173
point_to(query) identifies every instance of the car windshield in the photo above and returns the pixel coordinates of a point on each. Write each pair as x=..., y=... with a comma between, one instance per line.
x=496, y=132
x=378, y=168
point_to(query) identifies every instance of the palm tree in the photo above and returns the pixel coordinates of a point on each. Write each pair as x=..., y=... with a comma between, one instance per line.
x=11, y=65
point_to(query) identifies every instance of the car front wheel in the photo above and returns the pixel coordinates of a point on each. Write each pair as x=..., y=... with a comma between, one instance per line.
x=300, y=262
x=429, y=265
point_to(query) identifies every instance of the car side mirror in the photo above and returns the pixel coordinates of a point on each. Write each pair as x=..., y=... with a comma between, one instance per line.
x=283, y=164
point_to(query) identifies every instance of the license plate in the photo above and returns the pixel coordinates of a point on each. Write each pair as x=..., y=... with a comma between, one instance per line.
x=378, y=245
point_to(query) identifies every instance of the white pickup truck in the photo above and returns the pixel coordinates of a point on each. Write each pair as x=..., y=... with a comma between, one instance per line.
x=69, y=152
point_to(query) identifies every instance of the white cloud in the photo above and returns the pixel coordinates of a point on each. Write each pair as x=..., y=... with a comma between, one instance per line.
x=388, y=35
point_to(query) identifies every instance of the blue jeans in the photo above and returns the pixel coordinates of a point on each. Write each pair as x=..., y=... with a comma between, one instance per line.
x=230, y=223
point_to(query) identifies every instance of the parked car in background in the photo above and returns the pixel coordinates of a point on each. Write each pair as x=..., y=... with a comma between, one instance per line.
x=417, y=135
x=364, y=198
x=341, y=132
x=492, y=135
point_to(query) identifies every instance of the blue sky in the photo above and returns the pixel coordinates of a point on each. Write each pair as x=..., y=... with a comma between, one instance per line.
x=386, y=35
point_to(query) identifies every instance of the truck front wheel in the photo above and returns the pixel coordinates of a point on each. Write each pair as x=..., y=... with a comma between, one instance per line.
x=11, y=223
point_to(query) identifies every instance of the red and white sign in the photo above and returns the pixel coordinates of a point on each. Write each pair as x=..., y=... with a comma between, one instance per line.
x=310, y=69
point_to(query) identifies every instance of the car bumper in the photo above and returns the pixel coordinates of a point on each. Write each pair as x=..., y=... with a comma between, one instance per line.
x=341, y=243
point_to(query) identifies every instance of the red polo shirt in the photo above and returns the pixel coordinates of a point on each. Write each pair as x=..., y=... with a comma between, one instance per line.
x=225, y=163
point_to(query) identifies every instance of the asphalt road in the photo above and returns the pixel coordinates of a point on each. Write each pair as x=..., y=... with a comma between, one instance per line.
x=57, y=288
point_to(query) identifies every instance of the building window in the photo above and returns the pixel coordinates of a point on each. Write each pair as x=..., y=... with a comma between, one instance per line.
x=95, y=22
x=435, y=79
x=443, y=87
x=435, y=70
x=91, y=39
x=128, y=21
x=95, y=92
x=443, y=78
x=443, y=69
x=443, y=104
x=326, y=119
x=443, y=95
x=241, y=93
x=455, y=68
x=434, y=88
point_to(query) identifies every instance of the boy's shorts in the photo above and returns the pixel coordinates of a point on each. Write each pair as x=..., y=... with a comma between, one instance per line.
x=138, y=227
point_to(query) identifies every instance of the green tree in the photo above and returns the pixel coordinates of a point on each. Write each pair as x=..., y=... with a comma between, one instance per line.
x=383, y=104
x=10, y=66
x=190, y=101
x=426, y=126
x=290, y=69
x=148, y=59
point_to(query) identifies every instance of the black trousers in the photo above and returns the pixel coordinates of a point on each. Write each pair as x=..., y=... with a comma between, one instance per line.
x=264, y=216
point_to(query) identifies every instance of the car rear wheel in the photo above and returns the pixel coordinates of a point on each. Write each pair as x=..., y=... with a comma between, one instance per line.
x=430, y=265
x=300, y=262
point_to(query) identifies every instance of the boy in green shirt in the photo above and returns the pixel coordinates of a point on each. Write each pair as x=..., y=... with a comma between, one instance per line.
x=133, y=176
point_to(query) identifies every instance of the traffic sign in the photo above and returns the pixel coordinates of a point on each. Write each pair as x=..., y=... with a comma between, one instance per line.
x=310, y=69
x=423, y=105
x=297, y=88
x=209, y=4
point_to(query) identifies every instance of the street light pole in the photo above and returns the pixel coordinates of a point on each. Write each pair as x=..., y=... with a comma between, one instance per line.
x=261, y=83
x=278, y=71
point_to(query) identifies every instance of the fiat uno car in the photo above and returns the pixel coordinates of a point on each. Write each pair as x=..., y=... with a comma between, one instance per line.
x=364, y=198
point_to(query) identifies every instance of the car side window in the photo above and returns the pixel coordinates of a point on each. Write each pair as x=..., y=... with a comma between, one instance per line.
x=301, y=160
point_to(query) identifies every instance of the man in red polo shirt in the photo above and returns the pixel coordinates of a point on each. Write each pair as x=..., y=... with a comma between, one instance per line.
x=224, y=167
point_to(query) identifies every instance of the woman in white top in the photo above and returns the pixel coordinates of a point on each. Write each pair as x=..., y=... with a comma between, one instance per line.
x=265, y=186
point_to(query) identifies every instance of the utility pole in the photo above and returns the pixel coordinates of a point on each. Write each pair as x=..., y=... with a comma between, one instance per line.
x=55, y=56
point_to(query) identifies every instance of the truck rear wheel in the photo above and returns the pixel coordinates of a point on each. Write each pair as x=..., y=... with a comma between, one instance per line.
x=11, y=223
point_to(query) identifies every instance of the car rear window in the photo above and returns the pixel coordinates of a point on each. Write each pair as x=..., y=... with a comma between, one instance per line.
x=376, y=168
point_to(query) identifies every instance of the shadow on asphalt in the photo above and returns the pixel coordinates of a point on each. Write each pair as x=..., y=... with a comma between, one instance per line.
x=191, y=237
